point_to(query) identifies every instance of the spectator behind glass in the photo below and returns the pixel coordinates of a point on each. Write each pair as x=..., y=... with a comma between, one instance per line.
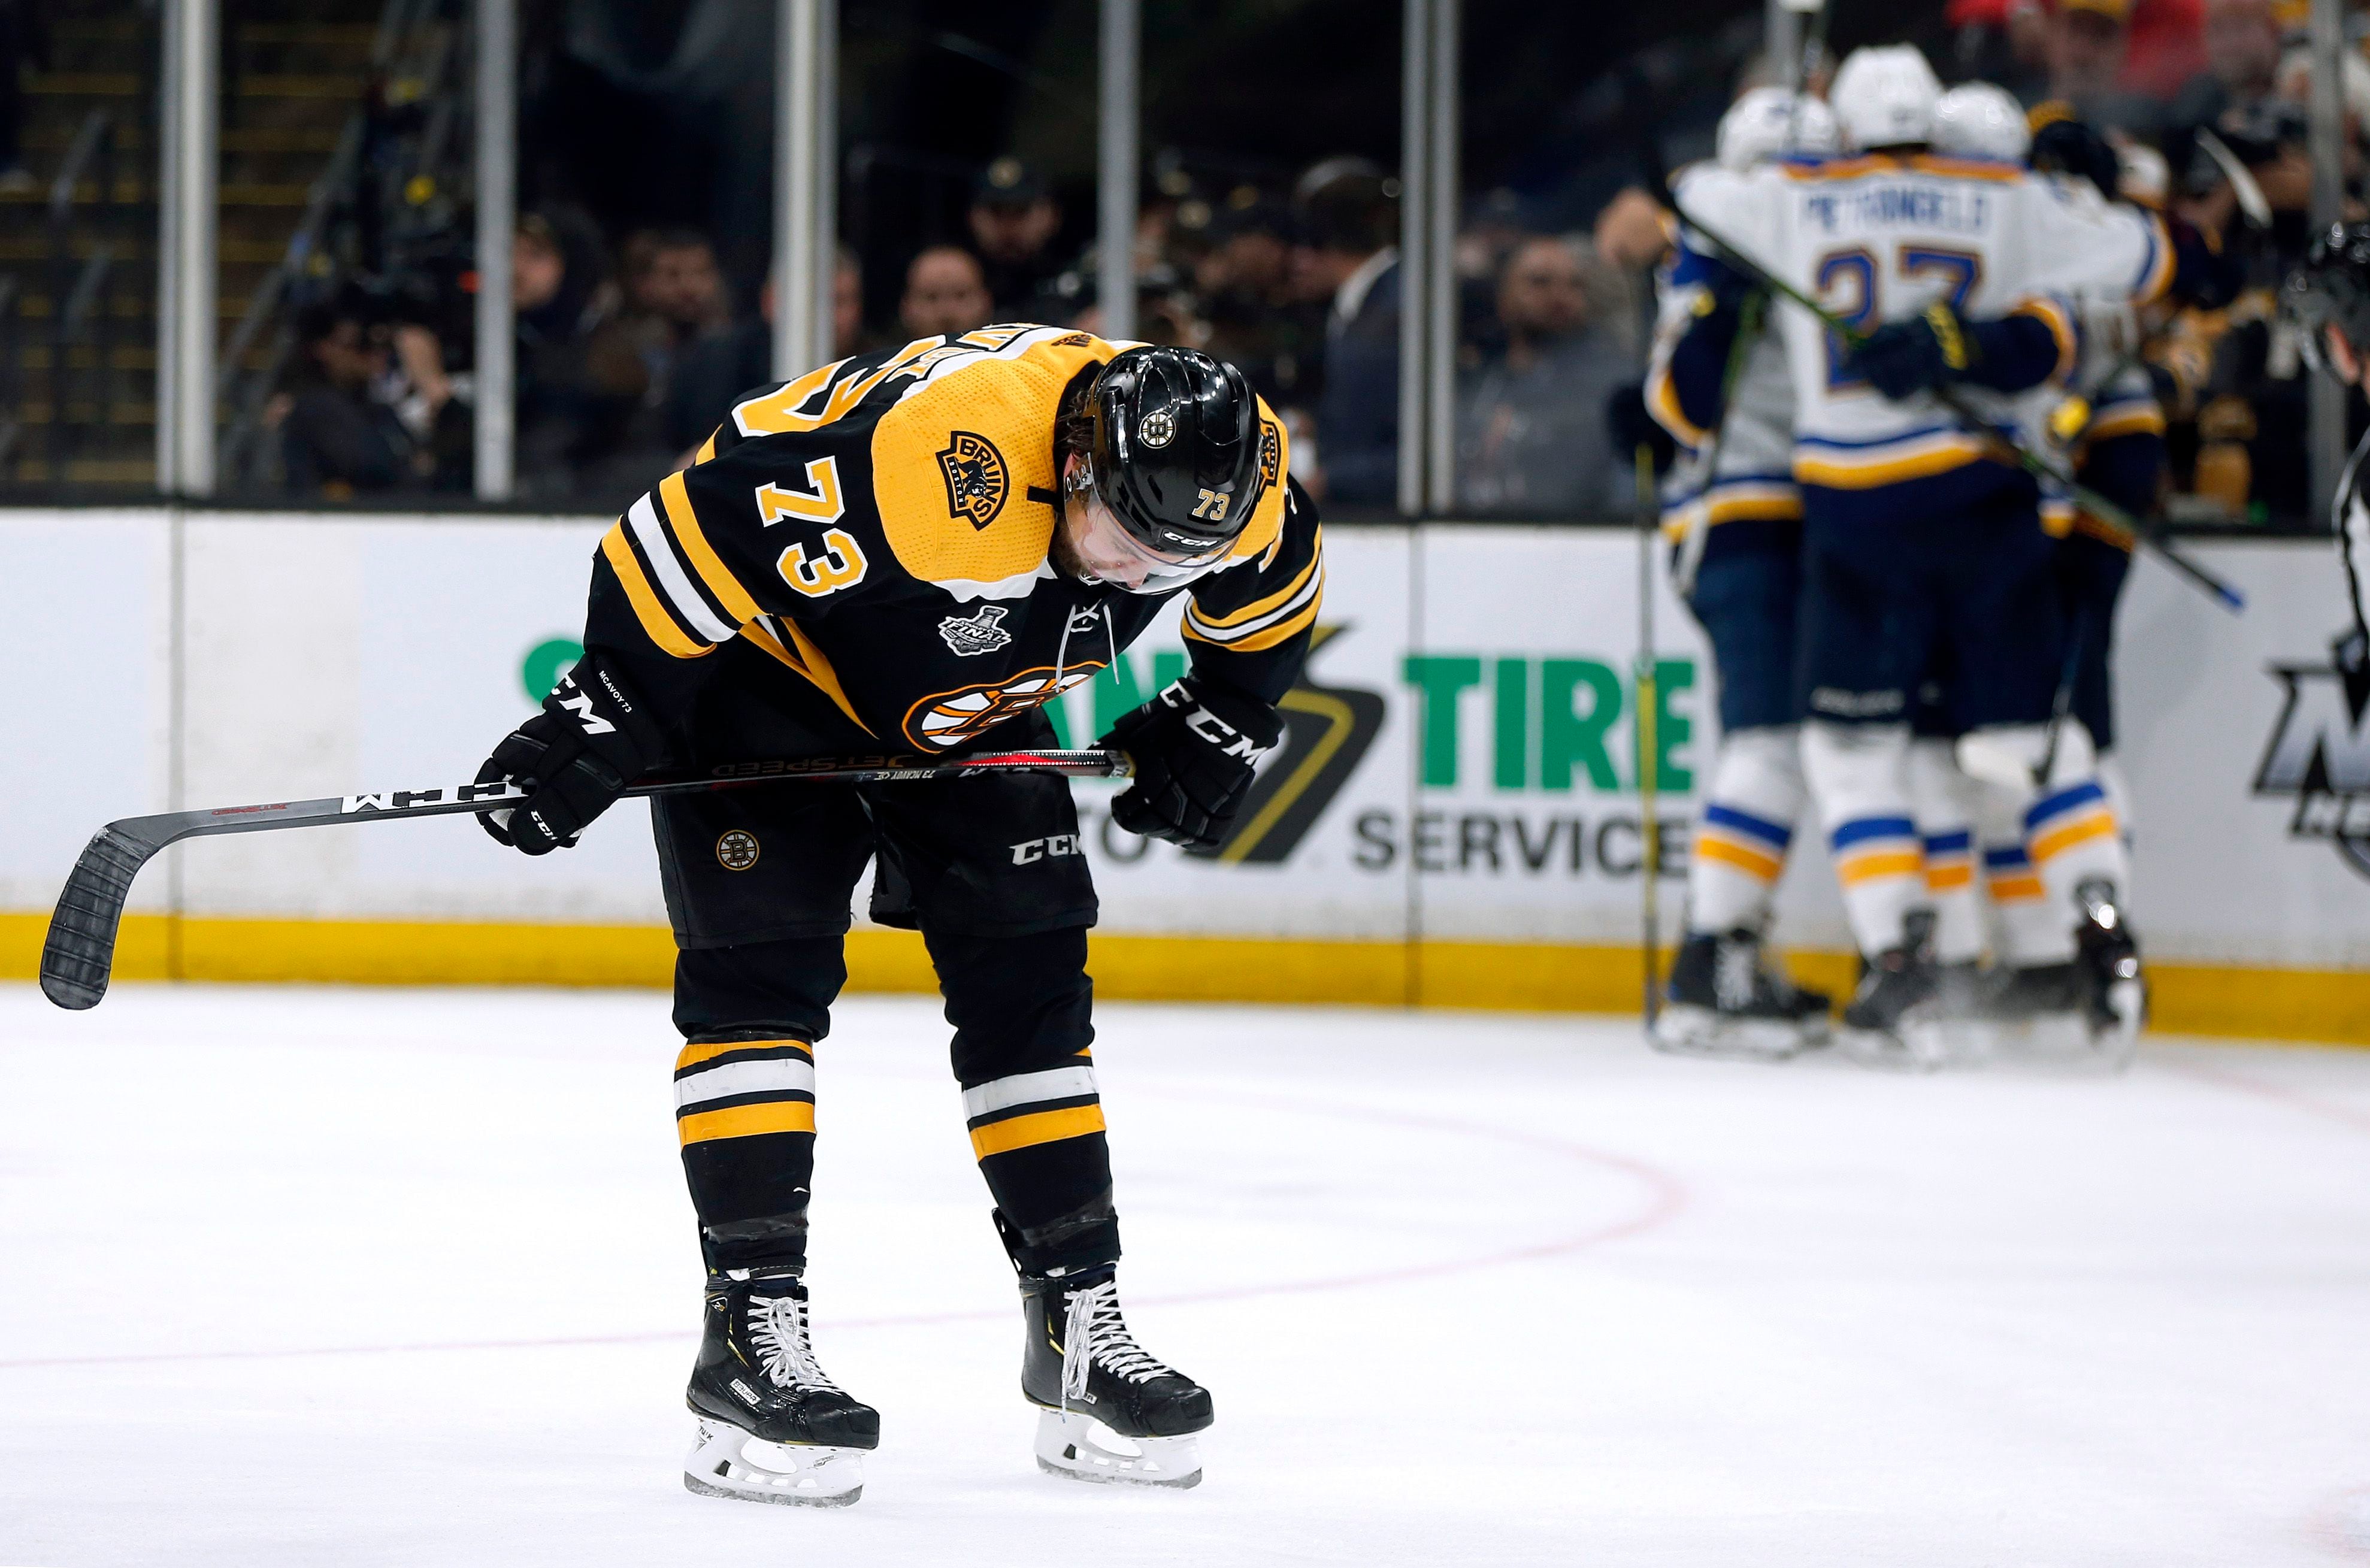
x=1257, y=321
x=674, y=297
x=1348, y=265
x=945, y=292
x=1014, y=223
x=345, y=432
x=1531, y=440
x=2085, y=45
x=561, y=301
x=717, y=372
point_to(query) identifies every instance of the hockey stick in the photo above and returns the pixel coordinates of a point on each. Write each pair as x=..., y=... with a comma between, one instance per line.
x=2091, y=501
x=79, y=955
x=1649, y=898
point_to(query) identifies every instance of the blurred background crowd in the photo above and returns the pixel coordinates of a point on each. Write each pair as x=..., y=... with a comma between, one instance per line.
x=1268, y=236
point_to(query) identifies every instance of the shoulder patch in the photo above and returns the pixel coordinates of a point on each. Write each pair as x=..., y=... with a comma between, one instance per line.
x=977, y=480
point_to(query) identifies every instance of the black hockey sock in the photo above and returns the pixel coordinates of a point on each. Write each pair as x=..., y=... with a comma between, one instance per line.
x=1020, y=1006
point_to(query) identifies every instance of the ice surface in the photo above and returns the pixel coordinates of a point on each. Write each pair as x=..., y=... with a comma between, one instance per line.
x=404, y=1277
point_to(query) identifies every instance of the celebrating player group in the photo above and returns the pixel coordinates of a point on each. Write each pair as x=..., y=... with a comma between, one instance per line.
x=1878, y=309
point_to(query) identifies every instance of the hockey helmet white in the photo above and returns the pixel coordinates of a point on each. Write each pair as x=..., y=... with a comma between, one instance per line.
x=1885, y=95
x=1769, y=122
x=1977, y=120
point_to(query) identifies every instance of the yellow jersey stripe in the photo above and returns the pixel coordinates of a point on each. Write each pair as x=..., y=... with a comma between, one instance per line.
x=1949, y=879
x=2134, y=418
x=1258, y=607
x=747, y=1121
x=2022, y=885
x=2061, y=327
x=657, y=624
x=1663, y=402
x=720, y=581
x=693, y=1054
x=1867, y=473
x=1258, y=641
x=1039, y=1127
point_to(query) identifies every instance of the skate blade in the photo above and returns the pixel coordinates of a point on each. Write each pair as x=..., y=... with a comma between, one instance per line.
x=726, y=1461
x=1918, y=1048
x=1683, y=1031
x=1075, y=1446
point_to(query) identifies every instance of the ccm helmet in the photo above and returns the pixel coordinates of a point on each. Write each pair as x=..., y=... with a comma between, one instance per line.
x=1769, y=122
x=1976, y=119
x=1885, y=95
x=1176, y=452
x=2332, y=289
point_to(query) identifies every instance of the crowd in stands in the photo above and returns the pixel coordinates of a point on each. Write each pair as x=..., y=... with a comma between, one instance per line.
x=629, y=353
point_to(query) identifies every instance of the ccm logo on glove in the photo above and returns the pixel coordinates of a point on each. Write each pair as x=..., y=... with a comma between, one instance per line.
x=574, y=758
x=1192, y=747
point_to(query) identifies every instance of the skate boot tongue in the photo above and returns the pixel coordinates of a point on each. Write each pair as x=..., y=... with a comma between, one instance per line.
x=779, y=1331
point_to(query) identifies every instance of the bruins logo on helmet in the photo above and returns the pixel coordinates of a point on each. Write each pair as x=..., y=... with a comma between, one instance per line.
x=976, y=479
x=951, y=718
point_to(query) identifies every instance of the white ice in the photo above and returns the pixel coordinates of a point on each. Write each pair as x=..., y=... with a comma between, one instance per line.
x=320, y=1276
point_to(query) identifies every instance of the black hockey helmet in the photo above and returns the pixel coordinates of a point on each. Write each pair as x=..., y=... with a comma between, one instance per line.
x=2332, y=288
x=1176, y=451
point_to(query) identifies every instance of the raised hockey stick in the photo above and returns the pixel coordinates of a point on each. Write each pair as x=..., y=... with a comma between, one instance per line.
x=2091, y=501
x=79, y=955
x=1650, y=896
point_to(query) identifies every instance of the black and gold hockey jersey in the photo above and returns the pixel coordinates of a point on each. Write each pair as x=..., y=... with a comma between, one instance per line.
x=878, y=531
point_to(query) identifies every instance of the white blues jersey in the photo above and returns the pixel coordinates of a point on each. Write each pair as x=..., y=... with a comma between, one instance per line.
x=1879, y=237
x=1745, y=469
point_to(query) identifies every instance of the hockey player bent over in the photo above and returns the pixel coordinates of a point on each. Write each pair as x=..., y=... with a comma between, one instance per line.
x=913, y=552
x=1736, y=518
x=1920, y=552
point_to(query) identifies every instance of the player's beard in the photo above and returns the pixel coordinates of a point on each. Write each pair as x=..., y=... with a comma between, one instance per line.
x=1064, y=555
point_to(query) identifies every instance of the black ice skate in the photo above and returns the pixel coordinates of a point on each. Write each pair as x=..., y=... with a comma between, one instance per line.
x=1893, y=1017
x=773, y=1427
x=1724, y=1001
x=2107, y=958
x=1086, y=1372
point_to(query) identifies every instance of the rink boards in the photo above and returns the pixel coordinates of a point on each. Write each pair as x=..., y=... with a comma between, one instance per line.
x=1454, y=819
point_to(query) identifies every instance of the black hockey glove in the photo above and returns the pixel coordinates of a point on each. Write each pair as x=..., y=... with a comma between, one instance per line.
x=2069, y=146
x=1193, y=747
x=592, y=739
x=1902, y=359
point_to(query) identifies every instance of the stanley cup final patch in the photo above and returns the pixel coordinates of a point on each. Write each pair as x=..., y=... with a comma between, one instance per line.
x=981, y=632
x=737, y=851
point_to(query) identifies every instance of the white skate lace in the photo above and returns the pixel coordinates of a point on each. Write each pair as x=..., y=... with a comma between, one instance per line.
x=1095, y=1332
x=1734, y=968
x=777, y=1327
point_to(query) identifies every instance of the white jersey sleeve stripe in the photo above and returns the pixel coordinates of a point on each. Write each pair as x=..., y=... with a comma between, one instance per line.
x=686, y=602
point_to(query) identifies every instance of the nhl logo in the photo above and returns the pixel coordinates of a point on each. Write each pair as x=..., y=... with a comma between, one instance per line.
x=737, y=851
x=980, y=633
x=1159, y=429
x=976, y=480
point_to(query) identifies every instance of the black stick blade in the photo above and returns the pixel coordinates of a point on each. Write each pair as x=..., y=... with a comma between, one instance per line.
x=80, y=952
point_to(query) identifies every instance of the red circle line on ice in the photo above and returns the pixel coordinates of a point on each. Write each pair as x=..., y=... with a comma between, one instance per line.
x=1665, y=1196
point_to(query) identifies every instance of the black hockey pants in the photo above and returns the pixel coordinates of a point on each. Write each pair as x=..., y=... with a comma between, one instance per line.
x=758, y=884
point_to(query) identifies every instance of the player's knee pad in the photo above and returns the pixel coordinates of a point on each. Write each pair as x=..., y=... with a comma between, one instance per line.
x=2027, y=757
x=1856, y=770
x=1016, y=1003
x=781, y=988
